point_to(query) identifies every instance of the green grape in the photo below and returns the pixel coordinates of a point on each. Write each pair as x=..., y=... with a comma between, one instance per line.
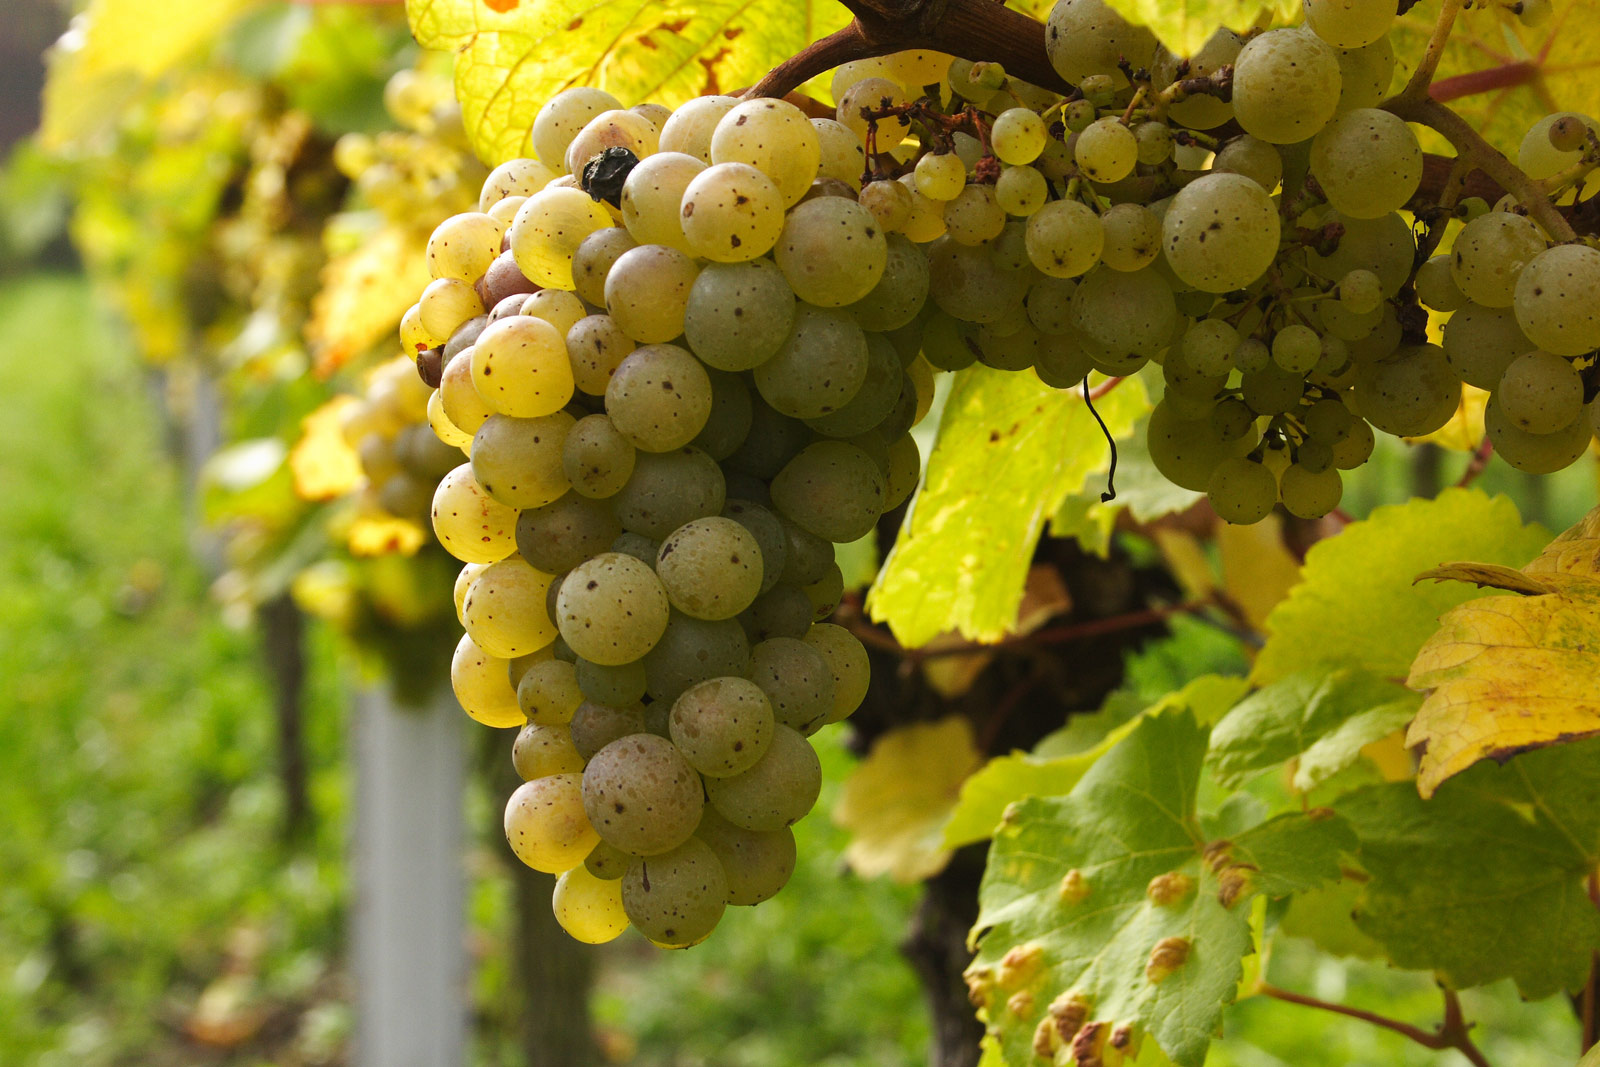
x=651, y=195
x=1209, y=345
x=874, y=401
x=711, y=568
x=1490, y=252
x=1536, y=453
x=728, y=424
x=890, y=203
x=847, y=661
x=1131, y=311
x=518, y=462
x=504, y=610
x=1557, y=300
x=1017, y=136
x=831, y=489
x=546, y=826
x=1480, y=343
x=514, y=177
x=617, y=685
x=1360, y=291
x=676, y=899
x=783, y=611
x=949, y=343
x=1307, y=494
x=445, y=430
x=559, y=308
x=1182, y=380
x=596, y=458
x=589, y=908
x=611, y=609
x=1285, y=85
x=1355, y=447
x=542, y=750
x=776, y=138
x=1155, y=142
x=548, y=694
x=1220, y=231
x=1231, y=419
x=593, y=260
x=647, y=292
x=900, y=293
x=808, y=555
x=1132, y=237
x=641, y=795
x=636, y=545
x=831, y=251
x=768, y=532
x=974, y=216
x=965, y=281
x=595, y=725
x=1410, y=394
x=905, y=470
x=818, y=368
x=1088, y=37
x=756, y=864
x=463, y=246
x=560, y=119
x=1328, y=420
x=731, y=213
x=470, y=524
x=520, y=367
x=1436, y=289
x=414, y=337
x=464, y=578
x=445, y=304
x=1187, y=451
x=1365, y=74
x=797, y=680
x=1048, y=304
x=1349, y=23
x=1254, y=159
x=1539, y=159
x=482, y=687
x=504, y=211
x=722, y=725
x=1296, y=349
x=1367, y=161
x=777, y=791
x=842, y=158
x=940, y=176
x=611, y=129
x=1020, y=191
x=1540, y=393
x=562, y=534
x=1242, y=491
x=1106, y=150
x=1314, y=456
x=688, y=129
x=659, y=398
x=738, y=314
x=668, y=489
x=692, y=651
x=1385, y=246
x=548, y=229
x=1201, y=111
x=925, y=223
x=607, y=861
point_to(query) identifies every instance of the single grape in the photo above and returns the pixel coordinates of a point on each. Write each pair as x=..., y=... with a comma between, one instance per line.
x=482, y=687
x=546, y=825
x=1220, y=232
x=1285, y=85
x=1242, y=491
x=1490, y=252
x=1367, y=161
x=1310, y=495
x=589, y=908
x=641, y=795
x=1557, y=300
x=777, y=791
x=1540, y=392
x=676, y=898
x=722, y=726
x=611, y=609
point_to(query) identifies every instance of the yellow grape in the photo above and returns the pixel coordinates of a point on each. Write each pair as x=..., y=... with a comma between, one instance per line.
x=482, y=685
x=546, y=825
x=520, y=367
x=504, y=609
x=589, y=908
x=471, y=525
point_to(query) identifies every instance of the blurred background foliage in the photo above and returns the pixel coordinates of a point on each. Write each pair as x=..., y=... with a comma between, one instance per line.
x=193, y=265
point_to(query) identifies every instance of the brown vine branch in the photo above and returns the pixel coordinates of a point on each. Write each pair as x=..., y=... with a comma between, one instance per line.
x=1488, y=80
x=1475, y=465
x=1453, y=1032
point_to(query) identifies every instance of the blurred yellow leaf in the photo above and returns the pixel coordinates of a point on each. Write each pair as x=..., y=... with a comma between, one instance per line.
x=896, y=802
x=381, y=534
x=1186, y=560
x=1257, y=571
x=1184, y=25
x=322, y=461
x=364, y=292
x=1511, y=673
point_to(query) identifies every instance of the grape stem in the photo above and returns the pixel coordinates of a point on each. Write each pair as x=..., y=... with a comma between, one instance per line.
x=1481, y=155
x=1453, y=1032
x=1422, y=77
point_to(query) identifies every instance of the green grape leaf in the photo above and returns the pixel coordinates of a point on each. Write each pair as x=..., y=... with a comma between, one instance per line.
x=1010, y=449
x=1184, y=25
x=1107, y=913
x=1323, y=717
x=1325, y=916
x=1486, y=880
x=1356, y=606
x=113, y=48
x=513, y=55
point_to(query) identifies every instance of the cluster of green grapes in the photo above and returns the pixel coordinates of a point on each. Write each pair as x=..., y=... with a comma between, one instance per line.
x=401, y=457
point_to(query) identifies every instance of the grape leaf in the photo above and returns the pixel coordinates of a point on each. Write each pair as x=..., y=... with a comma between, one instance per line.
x=513, y=55
x=1107, y=907
x=1184, y=25
x=1356, y=606
x=1010, y=449
x=363, y=294
x=896, y=801
x=1323, y=717
x=1258, y=570
x=1509, y=673
x=1486, y=880
x=323, y=463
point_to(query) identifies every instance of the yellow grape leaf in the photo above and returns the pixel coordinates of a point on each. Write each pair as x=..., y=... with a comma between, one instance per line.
x=378, y=533
x=1184, y=25
x=513, y=55
x=896, y=802
x=1511, y=673
x=1186, y=560
x=111, y=48
x=363, y=295
x=1257, y=570
x=322, y=462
